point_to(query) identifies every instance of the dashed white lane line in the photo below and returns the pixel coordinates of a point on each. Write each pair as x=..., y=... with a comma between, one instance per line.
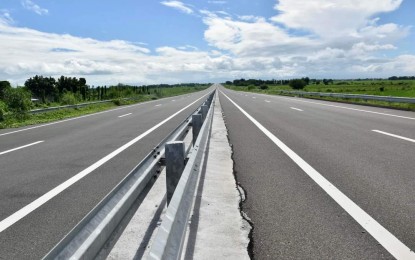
x=21, y=147
x=294, y=108
x=26, y=210
x=383, y=236
x=254, y=97
x=173, y=100
x=267, y=101
x=158, y=105
x=342, y=107
x=396, y=136
x=125, y=115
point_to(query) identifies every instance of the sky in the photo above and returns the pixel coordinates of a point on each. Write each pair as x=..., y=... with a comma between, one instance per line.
x=148, y=41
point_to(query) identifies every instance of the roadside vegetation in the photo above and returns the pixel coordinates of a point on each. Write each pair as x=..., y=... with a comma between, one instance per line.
x=393, y=86
x=42, y=92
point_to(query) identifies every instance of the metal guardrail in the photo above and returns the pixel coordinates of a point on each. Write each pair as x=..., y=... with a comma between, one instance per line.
x=169, y=240
x=352, y=96
x=48, y=109
x=87, y=239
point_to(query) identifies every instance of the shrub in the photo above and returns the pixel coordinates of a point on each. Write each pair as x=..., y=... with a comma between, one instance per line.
x=263, y=87
x=117, y=102
x=381, y=89
x=3, y=110
x=251, y=87
x=297, y=83
x=68, y=98
x=18, y=101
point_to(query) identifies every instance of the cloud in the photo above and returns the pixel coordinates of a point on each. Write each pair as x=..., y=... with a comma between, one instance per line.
x=5, y=17
x=217, y=2
x=331, y=18
x=178, y=5
x=240, y=47
x=31, y=6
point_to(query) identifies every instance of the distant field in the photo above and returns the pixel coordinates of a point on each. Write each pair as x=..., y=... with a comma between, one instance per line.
x=396, y=88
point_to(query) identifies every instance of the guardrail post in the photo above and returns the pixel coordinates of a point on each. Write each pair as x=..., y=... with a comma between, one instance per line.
x=197, y=122
x=204, y=110
x=175, y=155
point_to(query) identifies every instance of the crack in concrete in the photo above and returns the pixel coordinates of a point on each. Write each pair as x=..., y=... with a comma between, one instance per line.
x=243, y=195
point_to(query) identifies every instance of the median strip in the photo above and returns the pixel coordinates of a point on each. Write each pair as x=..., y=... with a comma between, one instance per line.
x=18, y=215
x=392, y=244
x=396, y=136
x=21, y=147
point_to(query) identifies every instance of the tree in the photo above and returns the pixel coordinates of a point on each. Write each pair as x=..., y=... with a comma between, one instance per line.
x=4, y=86
x=297, y=83
x=42, y=87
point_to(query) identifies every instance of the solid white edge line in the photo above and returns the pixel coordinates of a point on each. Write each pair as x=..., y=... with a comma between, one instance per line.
x=396, y=136
x=125, y=115
x=21, y=147
x=296, y=109
x=392, y=244
x=18, y=215
x=348, y=108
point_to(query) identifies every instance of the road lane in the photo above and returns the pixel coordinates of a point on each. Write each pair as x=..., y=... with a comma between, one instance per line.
x=377, y=175
x=69, y=150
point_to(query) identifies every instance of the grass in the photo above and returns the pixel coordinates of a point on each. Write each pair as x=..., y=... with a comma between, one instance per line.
x=398, y=88
x=12, y=121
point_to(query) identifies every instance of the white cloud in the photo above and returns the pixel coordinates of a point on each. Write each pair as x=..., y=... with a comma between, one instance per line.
x=5, y=17
x=331, y=18
x=178, y=5
x=217, y=2
x=31, y=6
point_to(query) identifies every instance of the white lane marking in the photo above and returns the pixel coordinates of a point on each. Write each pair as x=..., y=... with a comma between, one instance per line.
x=348, y=108
x=158, y=105
x=125, y=115
x=173, y=100
x=296, y=109
x=246, y=95
x=18, y=215
x=383, y=236
x=21, y=147
x=267, y=101
x=253, y=97
x=396, y=136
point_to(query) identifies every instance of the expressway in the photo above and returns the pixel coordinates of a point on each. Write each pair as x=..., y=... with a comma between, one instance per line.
x=52, y=175
x=323, y=180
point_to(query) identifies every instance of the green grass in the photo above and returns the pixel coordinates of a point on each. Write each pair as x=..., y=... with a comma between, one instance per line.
x=12, y=121
x=398, y=88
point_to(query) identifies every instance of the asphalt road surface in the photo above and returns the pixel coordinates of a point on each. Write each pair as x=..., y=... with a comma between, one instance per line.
x=52, y=175
x=324, y=180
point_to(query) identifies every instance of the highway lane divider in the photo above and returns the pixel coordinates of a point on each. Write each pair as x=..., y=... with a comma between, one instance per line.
x=391, y=243
x=396, y=136
x=87, y=239
x=21, y=147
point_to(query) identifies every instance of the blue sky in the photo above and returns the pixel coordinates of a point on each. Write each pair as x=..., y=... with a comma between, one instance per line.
x=142, y=42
